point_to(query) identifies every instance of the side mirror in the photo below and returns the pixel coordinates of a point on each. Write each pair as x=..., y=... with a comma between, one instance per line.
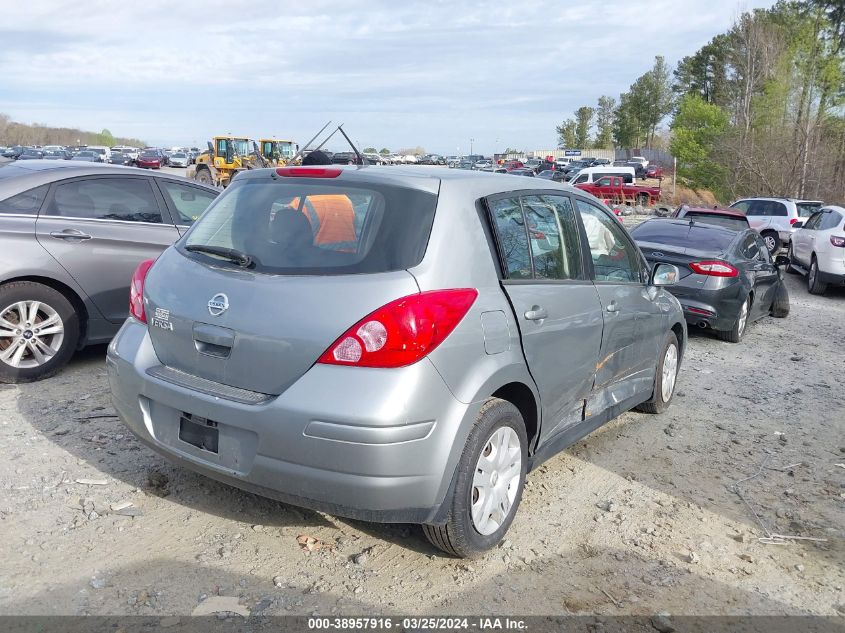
x=665, y=275
x=797, y=225
x=781, y=260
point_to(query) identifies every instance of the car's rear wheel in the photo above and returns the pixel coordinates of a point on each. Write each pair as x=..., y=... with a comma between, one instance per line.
x=665, y=377
x=735, y=334
x=642, y=200
x=489, y=484
x=780, y=304
x=790, y=268
x=814, y=284
x=772, y=241
x=39, y=329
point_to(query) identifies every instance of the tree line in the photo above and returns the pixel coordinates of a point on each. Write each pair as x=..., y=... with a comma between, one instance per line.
x=758, y=110
x=14, y=133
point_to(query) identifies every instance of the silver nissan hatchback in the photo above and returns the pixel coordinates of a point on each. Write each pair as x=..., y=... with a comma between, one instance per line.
x=393, y=345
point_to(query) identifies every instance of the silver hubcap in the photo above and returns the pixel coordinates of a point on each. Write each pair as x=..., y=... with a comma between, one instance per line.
x=670, y=373
x=496, y=480
x=743, y=317
x=31, y=333
x=813, y=274
x=770, y=242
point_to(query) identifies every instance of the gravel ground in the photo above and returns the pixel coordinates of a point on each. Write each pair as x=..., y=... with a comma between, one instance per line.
x=637, y=518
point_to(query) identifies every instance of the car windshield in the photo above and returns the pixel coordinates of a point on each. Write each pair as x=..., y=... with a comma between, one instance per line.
x=149, y=155
x=679, y=234
x=86, y=154
x=305, y=228
x=178, y=155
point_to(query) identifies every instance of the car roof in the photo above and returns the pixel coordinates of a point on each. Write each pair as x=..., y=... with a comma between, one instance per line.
x=476, y=183
x=20, y=176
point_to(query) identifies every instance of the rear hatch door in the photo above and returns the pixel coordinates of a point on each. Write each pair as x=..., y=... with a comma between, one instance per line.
x=323, y=253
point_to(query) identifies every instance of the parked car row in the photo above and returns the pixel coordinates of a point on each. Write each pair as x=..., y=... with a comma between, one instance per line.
x=119, y=155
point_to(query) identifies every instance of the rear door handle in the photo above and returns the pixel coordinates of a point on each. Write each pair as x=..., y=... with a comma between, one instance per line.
x=536, y=313
x=70, y=234
x=612, y=307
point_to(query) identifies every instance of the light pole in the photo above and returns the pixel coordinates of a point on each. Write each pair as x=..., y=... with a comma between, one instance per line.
x=471, y=141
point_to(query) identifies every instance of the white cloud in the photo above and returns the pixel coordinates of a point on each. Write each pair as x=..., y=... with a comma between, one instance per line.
x=428, y=73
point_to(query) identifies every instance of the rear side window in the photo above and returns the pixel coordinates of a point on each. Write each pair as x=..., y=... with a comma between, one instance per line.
x=829, y=220
x=512, y=237
x=750, y=248
x=125, y=199
x=188, y=201
x=28, y=202
x=308, y=228
x=768, y=208
x=554, y=237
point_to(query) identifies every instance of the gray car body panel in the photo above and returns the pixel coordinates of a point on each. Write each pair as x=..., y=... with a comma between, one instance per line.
x=96, y=271
x=379, y=444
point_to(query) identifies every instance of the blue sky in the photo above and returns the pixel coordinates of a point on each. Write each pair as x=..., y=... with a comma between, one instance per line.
x=428, y=73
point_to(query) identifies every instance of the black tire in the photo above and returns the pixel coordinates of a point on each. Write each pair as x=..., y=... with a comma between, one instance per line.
x=14, y=292
x=772, y=240
x=459, y=536
x=735, y=334
x=642, y=199
x=204, y=176
x=780, y=304
x=814, y=285
x=657, y=403
x=791, y=269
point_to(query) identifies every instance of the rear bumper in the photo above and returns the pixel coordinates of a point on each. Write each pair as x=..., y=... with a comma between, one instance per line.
x=833, y=278
x=376, y=445
x=713, y=309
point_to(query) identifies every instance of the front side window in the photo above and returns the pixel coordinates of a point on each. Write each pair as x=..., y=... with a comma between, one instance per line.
x=813, y=223
x=614, y=257
x=768, y=207
x=512, y=237
x=743, y=206
x=126, y=199
x=314, y=229
x=188, y=201
x=27, y=203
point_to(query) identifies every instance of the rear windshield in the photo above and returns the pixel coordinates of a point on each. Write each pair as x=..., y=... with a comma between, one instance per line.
x=673, y=233
x=310, y=228
x=736, y=224
x=806, y=209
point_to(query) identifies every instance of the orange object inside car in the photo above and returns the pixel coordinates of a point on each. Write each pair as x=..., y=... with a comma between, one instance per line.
x=332, y=218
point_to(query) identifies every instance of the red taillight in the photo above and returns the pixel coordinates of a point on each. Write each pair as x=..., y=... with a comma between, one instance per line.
x=136, y=290
x=309, y=172
x=792, y=221
x=837, y=241
x=403, y=331
x=714, y=269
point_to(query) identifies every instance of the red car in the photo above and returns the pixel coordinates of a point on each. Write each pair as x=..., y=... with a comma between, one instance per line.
x=513, y=164
x=654, y=171
x=150, y=160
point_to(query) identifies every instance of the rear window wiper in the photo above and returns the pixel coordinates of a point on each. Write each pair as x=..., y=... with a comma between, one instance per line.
x=234, y=256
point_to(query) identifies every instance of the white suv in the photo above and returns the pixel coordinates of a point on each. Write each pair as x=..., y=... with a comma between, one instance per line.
x=818, y=248
x=773, y=218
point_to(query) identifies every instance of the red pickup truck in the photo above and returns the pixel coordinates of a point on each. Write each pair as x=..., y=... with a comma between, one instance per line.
x=613, y=188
